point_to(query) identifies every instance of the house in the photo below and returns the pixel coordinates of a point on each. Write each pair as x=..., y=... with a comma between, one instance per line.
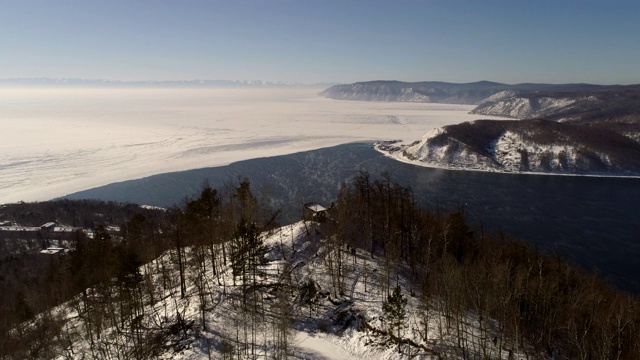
x=54, y=250
x=315, y=211
x=50, y=226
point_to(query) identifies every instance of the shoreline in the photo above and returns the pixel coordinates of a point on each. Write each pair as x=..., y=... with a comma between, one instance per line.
x=84, y=138
x=433, y=165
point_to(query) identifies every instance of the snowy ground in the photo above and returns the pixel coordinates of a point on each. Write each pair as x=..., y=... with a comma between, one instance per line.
x=507, y=149
x=62, y=140
x=327, y=330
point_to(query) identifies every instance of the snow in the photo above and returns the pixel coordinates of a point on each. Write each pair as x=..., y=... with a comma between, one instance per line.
x=53, y=250
x=315, y=207
x=499, y=96
x=320, y=346
x=19, y=228
x=522, y=107
x=441, y=156
x=151, y=207
x=61, y=140
x=317, y=333
x=505, y=156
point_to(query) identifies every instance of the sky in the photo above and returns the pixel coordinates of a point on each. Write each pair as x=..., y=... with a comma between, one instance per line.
x=326, y=41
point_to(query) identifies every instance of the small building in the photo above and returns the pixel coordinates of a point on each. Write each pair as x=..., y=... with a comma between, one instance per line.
x=50, y=226
x=112, y=229
x=315, y=211
x=54, y=250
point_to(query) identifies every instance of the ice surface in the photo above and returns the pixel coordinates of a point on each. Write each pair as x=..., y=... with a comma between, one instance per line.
x=60, y=140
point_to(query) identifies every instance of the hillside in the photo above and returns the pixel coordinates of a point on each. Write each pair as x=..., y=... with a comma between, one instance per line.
x=537, y=146
x=443, y=92
x=375, y=276
x=295, y=292
x=611, y=103
x=428, y=92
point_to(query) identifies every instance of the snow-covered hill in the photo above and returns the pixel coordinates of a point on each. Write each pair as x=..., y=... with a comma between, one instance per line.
x=299, y=311
x=537, y=146
x=427, y=91
x=451, y=153
x=523, y=107
x=380, y=92
x=587, y=129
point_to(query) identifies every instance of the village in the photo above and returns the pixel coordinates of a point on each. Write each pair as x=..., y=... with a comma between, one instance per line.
x=49, y=238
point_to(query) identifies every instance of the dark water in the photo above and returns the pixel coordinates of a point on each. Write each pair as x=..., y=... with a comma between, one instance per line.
x=594, y=222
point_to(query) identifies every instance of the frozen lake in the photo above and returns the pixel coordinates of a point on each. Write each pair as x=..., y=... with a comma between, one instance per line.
x=60, y=140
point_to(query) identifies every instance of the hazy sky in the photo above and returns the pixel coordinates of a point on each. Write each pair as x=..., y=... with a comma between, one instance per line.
x=323, y=41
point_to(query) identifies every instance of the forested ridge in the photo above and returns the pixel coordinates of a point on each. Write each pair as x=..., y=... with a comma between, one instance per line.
x=492, y=295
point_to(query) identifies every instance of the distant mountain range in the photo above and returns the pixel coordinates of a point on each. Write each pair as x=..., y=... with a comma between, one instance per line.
x=565, y=128
x=150, y=83
x=473, y=93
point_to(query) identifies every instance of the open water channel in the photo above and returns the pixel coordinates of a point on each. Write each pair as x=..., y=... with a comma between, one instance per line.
x=592, y=221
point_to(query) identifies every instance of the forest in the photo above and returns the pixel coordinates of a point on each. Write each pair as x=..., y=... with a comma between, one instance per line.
x=492, y=295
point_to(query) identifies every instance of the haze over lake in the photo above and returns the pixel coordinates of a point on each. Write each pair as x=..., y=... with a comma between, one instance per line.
x=61, y=140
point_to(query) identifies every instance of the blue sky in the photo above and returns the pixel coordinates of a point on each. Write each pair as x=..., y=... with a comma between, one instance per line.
x=323, y=41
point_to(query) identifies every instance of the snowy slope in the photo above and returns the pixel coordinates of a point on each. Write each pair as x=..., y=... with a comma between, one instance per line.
x=523, y=107
x=428, y=91
x=535, y=146
x=325, y=324
x=381, y=92
x=452, y=153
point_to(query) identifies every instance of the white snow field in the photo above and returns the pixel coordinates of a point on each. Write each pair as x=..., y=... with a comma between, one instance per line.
x=60, y=140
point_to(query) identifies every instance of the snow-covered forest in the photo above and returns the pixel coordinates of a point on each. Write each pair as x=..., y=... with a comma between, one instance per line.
x=374, y=276
x=526, y=146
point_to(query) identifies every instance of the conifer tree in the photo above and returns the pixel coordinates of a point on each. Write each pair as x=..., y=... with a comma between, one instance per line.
x=394, y=310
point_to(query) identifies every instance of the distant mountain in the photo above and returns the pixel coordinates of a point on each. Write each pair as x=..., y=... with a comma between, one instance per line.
x=440, y=92
x=575, y=128
x=610, y=108
x=562, y=104
x=428, y=92
x=148, y=83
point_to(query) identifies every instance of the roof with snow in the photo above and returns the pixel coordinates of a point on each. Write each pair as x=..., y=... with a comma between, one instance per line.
x=54, y=250
x=315, y=207
x=50, y=225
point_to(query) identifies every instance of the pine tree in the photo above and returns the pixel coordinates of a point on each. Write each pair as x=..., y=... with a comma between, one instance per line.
x=394, y=310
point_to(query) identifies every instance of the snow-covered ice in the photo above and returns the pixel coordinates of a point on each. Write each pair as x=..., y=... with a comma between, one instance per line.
x=60, y=140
